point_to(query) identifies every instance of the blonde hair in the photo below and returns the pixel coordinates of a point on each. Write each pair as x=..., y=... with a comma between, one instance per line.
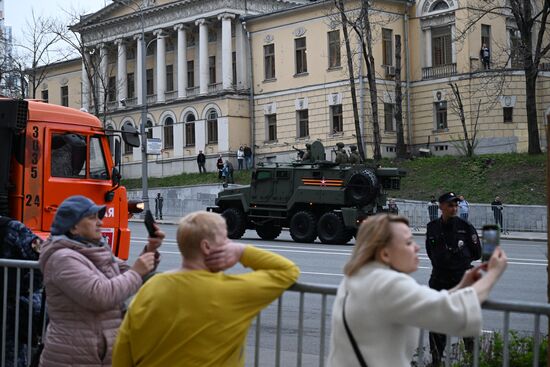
x=195, y=227
x=373, y=234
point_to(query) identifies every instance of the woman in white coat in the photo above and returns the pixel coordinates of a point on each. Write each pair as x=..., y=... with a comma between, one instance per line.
x=385, y=307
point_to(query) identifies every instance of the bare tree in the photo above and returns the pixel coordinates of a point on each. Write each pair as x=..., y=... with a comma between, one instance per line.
x=39, y=50
x=398, y=113
x=533, y=45
x=467, y=144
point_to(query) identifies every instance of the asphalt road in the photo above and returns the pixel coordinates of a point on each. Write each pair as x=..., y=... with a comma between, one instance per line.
x=524, y=280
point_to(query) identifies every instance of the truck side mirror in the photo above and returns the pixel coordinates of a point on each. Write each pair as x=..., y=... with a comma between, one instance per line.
x=130, y=134
x=118, y=154
x=115, y=175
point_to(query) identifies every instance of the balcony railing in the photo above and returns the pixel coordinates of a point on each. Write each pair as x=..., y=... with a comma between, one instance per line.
x=170, y=96
x=131, y=102
x=192, y=91
x=151, y=99
x=440, y=71
x=216, y=87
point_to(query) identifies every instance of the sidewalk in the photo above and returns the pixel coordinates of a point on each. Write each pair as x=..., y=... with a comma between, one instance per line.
x=519, y=236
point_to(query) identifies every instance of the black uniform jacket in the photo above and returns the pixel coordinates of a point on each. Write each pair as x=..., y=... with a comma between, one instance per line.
x=451, y=246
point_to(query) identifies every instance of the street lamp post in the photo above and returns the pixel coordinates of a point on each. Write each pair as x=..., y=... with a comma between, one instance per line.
x=143, y=133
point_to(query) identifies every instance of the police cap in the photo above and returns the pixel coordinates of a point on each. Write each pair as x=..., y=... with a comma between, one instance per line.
x=448, y=197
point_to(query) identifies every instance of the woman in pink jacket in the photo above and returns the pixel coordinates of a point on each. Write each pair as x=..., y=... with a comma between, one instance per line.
x=86, y=286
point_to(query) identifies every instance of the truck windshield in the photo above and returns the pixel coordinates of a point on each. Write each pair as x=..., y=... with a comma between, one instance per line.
x=69, y=157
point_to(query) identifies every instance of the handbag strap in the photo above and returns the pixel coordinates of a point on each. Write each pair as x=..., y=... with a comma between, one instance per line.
x=356, y=349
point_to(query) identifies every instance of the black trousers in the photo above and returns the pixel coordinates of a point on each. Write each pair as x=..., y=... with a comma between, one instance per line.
x=439, y=341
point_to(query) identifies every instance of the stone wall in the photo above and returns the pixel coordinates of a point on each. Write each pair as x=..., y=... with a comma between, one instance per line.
x=179, y=201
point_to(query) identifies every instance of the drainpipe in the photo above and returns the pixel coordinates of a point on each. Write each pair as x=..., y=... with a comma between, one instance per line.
x=362, y=119
x=408, y=79
x=251, y=95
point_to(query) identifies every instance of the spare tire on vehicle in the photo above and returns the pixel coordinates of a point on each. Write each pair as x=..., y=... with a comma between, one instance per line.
x=362, y=187
x=236, y=222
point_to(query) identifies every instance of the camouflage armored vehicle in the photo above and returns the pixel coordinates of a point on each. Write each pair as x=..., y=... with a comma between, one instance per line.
x=314, y=198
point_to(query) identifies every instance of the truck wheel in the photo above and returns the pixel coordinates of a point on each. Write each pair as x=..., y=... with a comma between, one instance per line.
x=331, y=229
x=302, y=227
x=268, y=231
x=236, y=222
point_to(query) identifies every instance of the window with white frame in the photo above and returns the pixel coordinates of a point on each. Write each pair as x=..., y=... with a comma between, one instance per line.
x=334, y=51
x=300, y=55
x=269, y=61
x=336, y=118
x=190, y=130
x=442, y=47
x=212, y=126
x=302, y=117
x=168, y=133
x=271, y=124
x=440, y=109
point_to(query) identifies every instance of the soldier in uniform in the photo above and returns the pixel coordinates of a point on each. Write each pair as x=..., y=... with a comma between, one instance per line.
x=341, y=155
x=354, y=157
x=307, y=154
x=452, y=244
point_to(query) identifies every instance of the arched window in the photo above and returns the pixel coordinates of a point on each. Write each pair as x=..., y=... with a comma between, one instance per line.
x=212, y=126
x=149, y=129
x=190, y=130
x=168, y=133
x=440, y=5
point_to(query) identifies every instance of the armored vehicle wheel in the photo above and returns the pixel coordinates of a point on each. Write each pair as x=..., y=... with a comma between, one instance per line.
x=236, y=222
x=268, y=231
x=302, y=227
x=331, y=229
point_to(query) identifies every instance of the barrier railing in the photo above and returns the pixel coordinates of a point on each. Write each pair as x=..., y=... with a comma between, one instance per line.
x=301, y=333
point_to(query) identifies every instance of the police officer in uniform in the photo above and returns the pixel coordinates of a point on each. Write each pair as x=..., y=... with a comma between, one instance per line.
x=452, y=244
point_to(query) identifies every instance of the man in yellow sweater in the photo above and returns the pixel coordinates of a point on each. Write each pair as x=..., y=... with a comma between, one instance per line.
x=197, y=315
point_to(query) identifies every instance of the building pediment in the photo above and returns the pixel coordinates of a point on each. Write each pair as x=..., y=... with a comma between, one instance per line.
x=118, y=20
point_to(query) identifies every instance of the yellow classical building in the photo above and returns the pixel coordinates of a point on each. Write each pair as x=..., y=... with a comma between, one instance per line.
x=273, y=74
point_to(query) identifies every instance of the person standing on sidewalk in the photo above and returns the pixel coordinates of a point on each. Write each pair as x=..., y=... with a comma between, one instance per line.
x=159, y=200
x=452, y=244
x=219, y=166
x=240, y=157
x=201, y=160
x=247, y=156
x=464, y=208
x=497, y=207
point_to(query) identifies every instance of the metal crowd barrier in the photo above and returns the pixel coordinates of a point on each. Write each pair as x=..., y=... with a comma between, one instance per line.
x=317, y=316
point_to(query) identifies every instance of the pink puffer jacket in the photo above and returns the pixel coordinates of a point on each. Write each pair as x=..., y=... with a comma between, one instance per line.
x=85, y=292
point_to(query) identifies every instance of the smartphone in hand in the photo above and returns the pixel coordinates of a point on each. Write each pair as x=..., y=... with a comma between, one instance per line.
x=149, y=222
x=491, y=239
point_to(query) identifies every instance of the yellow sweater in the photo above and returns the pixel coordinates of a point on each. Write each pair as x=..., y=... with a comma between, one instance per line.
x=199, y=318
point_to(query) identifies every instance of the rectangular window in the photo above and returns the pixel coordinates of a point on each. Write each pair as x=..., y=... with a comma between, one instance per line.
x=190, y=74
x=169, y=78
x=334, y=55
x=65, y=96
x=515, y=54
x=150, y=81
x=508, y=114
x=388, y=117
x=442, y=47
x=212, y=126
x=486, y=35
x=212, y=35
x=130, y=85
x=234, y=67
x=45, y=95
x=440, y=115
x=212, y=69
x=269, y=61
x=128, y=149
x=170, y=46
x=271, y=121
x=303, y=123
x=111, y=89
x=337, y=119
x=190, y=39
x=301, y=55
x=190, y=134
x=387, y=47
x=130, y=52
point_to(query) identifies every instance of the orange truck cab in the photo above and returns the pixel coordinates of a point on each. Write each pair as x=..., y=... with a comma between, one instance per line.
x=50, y=152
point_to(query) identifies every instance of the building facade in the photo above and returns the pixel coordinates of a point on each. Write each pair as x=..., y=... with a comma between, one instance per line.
x=273, y=75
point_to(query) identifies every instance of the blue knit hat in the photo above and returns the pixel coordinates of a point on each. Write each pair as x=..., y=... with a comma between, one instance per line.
x=71, y=211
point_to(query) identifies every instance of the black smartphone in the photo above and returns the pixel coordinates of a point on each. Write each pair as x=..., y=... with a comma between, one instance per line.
x=150, y=223
x=491, y=239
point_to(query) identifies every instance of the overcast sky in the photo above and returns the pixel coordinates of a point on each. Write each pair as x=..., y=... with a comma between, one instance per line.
x=17, y=12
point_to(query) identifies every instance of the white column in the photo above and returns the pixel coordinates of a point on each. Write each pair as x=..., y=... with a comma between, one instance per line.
x=203, y=56
x=138, y=73
x=241, y=48
x=161, y=65
x=428, y=42
x=227, y=50
x=104, y=82
x=122, y=88
x=182, y=60
x=85, y=82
